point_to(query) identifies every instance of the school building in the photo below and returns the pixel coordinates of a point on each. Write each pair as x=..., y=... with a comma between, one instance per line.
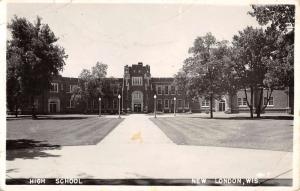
x=137, y=89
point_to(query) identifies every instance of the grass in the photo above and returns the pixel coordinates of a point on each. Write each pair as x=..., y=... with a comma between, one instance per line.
x=60, y=130
x=268, y=134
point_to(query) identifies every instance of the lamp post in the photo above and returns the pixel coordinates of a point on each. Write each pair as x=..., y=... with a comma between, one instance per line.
x=154, y=105
x=99, y=106
x=174, y=106
x=119, y=97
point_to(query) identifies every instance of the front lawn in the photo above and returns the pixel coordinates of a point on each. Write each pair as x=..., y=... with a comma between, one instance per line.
x=269, y=134
x=60, y=130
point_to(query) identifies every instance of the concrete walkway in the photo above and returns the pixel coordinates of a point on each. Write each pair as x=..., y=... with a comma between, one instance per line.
x=136, y=129
x=139, y=149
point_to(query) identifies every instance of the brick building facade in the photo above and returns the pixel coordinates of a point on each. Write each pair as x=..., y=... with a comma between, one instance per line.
x=137, y=90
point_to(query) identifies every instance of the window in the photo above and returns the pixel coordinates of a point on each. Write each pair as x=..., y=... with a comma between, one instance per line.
x=271, y=101
x=171, y=103
x=137, y=81
x=205, y=103
x=186, y=104
x=179, y=103
x=95, y=106
x=71, y=88
x=166, y=103
x=159, y=90
x=62, y=87
x=54, y=87
x=172, y=90
x=239, y=101
x=242, y=101
x=167, y=90
x=179, y=91
x=137, y=95
x=115, y=90
x=159, y=104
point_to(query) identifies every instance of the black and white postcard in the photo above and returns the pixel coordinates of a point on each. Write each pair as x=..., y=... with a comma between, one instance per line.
x=157, y=95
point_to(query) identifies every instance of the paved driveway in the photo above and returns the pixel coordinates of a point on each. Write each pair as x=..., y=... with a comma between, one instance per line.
x=137, y=148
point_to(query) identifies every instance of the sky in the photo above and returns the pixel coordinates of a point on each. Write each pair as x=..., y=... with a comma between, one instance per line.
x=124, y=34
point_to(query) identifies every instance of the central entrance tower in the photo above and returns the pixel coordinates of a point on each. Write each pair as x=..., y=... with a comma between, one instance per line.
x=136, y=88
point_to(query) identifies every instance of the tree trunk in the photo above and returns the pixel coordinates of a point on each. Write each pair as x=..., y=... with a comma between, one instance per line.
x=268, y=99
x=33, y=115
x=231, y=102
x=251, y=101
x=291, y=99
x=86, y=107
x=184, y=104
x=259, y=105
x=211, y=106
x=250, y=105
x=190, y=107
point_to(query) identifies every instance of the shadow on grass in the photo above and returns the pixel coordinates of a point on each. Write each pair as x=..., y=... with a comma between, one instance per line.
x=47, y=118
x=60, y=118
x=28, y=149
x=248, y=118
x=10, y=118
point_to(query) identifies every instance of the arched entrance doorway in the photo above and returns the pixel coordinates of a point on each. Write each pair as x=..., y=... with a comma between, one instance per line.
x=53, y=105
x=137, y=101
